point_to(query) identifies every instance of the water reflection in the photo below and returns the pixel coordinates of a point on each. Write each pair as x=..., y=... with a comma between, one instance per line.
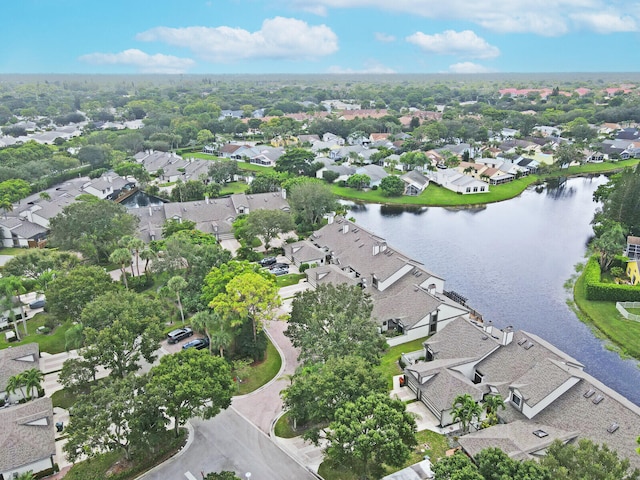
x=141, y=199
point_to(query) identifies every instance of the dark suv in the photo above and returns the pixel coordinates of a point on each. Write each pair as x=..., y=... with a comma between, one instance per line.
x=174, y=336
x=197, y=343
x=266, y=261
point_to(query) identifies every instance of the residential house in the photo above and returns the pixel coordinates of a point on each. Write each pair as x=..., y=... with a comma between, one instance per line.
x=304, y=252
x=230, y=114
x=344, y=171
x=330, y=137
x=214, y=216
x=628, y=134
x=235, y=151
x=547, y=131
x=407, y=299
x=632, y=272
x=109, y=185
x=14, y=361
x=265, y=156
x=457, y=182
x=607, y=128
x=375, y=172
x=632, y=151
x=414, y=183
x=27, y=438
x=547, y=392
x=633, y=248
x=596, y=157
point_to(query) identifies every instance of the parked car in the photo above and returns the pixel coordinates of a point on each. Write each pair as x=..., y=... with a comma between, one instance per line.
x=266, y=261
x=174, y=336
x=197, y=343
x=280, y=271
x=38, y=304
x=279, y=265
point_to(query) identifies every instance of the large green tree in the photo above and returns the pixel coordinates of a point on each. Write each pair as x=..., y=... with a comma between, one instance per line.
x=71, y=291
x=587, y=461
x=119, y=414
x=121, y=328
x=192, y=383
x=268, y=224
x=318, y=390
x=36, y=261
x=334, y=321
x=372, y=431
x=92, y=227
x=310, y=201
x=392, y=186
x=297, y=161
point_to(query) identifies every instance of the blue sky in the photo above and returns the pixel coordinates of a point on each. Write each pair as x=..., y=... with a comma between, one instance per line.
x=319, y=36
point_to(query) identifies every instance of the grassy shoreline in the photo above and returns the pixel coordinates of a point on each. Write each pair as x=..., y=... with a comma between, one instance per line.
x=437, y=196
x=607, y=323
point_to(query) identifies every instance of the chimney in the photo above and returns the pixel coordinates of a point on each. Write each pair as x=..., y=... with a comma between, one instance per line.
x=206, y=199
x=284, y=193
x=150, y=211
x=507, y=336
x=488, y=327
x=345, y=228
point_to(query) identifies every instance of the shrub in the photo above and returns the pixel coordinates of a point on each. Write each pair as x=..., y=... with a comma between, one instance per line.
x=246, y=253
x=303, y=267
x=597, y=291
x=616, y=271
x=375, y=187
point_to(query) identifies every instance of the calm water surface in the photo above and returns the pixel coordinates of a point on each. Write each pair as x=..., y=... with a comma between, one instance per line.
x=511, y=260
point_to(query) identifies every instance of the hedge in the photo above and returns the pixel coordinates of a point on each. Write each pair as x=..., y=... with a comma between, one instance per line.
x=609, y=292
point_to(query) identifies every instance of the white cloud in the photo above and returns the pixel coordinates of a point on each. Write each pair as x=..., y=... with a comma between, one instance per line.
x=370, y=66
x=605, y=22
x=384, y=37
x=279, y=38
x=450, y=42
x=468, y=67
x=543, y=17
x=144, y=62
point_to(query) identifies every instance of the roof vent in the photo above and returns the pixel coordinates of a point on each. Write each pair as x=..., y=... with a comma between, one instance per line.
x=613, y=427
x=540, y=433
x=598, y=399
x=589, y=393
x=484, y=337
x=522, y=341
x=528, y=346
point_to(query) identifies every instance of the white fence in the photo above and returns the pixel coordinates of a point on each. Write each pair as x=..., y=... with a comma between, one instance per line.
x=622, y=308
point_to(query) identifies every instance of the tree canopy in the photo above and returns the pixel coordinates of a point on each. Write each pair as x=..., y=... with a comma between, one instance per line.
x=332, y=322
x=92, y=227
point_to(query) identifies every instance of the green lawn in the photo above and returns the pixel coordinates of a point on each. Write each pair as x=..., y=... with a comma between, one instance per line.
x=53, y=342
x=63, y=399
x=389, y=365
x=234, y=187
x=262, y=372
x=625, y=334
x=12, y=251
x=241, y=165
x=289, y=279
x=437, y=196
x=283, y=428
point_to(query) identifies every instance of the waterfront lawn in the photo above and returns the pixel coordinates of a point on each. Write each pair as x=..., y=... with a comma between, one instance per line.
x=53, y=342
x=435, y=195
x=604, y=316
x=233, y=187
x=262, y=372
x=389, y=366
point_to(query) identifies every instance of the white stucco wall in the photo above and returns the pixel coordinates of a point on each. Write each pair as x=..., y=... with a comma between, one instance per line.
x=36, y=467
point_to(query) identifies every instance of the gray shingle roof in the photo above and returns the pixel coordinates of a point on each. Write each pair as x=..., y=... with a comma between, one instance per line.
x=461, y=339
x=15, y=360
x=22, y=444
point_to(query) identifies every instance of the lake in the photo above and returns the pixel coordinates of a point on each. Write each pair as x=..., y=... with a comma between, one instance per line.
x=511, y=260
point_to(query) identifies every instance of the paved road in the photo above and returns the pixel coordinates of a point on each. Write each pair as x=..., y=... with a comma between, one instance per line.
x=230, y=442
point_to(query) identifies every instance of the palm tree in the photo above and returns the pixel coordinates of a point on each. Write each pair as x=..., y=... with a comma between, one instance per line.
x=121, y=256
x=26, y=476
x=465, y=409
x=6, y=205
x=32, y=379
x=15, y=383
x=136, y=245
x=176, y=284
x=43, y=281
x=125, y=242
x=7, y=306
x=13, y=286
x=492, y=404
x=147, y=254
x=214, y=327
